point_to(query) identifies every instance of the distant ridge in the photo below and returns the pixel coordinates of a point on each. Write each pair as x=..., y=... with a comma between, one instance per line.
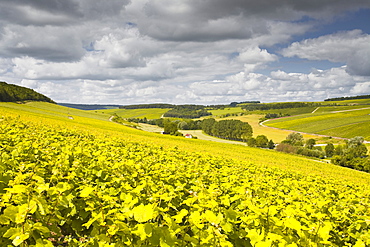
x=89, y=107
x=349, y=98
x=14, y=93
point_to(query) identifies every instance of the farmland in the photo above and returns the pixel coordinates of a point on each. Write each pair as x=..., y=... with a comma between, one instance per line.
x=111, y=185
x=149, y=113
x=347, y=123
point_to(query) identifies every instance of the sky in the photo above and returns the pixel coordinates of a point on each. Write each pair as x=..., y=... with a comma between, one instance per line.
x=186, y=51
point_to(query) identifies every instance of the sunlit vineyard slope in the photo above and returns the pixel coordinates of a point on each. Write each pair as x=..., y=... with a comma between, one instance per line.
x=87, y=182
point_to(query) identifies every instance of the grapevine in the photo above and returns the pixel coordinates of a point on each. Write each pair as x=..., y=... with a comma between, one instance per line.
x=64, y=187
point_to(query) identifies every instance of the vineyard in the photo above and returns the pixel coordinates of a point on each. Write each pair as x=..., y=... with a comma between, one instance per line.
x=345, y=124
x=64, y=184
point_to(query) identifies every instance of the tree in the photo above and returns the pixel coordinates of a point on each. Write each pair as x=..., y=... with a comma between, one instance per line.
x=286, y=148
x=295, y=138
x=353, y=155
x=355, y=147
x=227, y=129
x=271, y=145
x=338, y=150
x=170, y=127
x=262, y=141
x=329, y=150
x=207, y=125
x=251, y=142
x=310, y=143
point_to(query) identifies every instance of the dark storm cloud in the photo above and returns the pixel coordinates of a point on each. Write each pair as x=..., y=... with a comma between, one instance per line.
x=39, y=12
x=280, y=10
x=212, y=20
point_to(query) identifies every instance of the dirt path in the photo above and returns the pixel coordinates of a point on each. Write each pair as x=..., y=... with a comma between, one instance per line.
x=315, y=110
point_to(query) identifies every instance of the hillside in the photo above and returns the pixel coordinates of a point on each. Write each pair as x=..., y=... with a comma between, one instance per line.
x=14, y=93
x=116, y=186
x=340, y=122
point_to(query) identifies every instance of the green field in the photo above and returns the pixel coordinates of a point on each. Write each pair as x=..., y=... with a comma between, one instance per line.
x=150, y=113
x=346, y=124
x=87, y=181
x=226, y=110
x=288, y=111
x=328, y=109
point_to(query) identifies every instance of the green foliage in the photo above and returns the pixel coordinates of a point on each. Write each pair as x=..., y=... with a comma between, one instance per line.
x=14, y=93
x=147, y=106
x=294, y=144
x=187, y=111
x=329, y=150
x=349, y=98
x=274, y=115
x=262, y=141
x=170, y=127
x=311, y=152
x=310, y=143
x=271, y=144
x=251, y=142
x=228, y=129
x=295, y=138
x=65, y=187
x=285, y=105
x=287, y=148
x=207, y=125
x=353, y=155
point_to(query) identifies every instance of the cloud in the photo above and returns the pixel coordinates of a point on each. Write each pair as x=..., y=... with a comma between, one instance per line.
x=279, y=86
x=350, y=47
x=186, y=51
x=205, y=21
x=55, y=44
x=39, y=13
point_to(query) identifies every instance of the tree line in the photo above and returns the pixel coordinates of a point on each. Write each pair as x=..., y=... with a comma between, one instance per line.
x=285, y=105
x=295, y=144
x=147, y=106
x=353, y=154
x=14, y=93
x=349, y=98
x=227, y=129
x=187, y=111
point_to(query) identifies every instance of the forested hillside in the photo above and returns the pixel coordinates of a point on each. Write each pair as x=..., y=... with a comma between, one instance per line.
x=13, y=93
x=349, y=98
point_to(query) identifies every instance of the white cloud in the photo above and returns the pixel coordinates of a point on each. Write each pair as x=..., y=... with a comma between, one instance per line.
x=254, y=55
x=351, y=47
x=360, y=88
x=188, y=51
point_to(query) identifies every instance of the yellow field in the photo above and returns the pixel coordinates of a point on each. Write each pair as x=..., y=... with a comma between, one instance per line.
x=79, y=181
x=56, y=117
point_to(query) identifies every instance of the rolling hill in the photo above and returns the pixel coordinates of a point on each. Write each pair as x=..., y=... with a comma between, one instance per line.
x=113, y=185
x=14, y=93
x=346, y=123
